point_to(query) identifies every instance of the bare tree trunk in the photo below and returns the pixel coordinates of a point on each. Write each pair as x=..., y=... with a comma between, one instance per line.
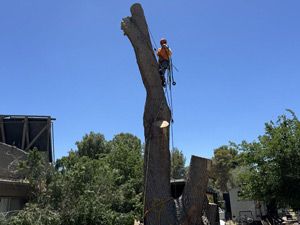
x=159, y=206
x=194, y=200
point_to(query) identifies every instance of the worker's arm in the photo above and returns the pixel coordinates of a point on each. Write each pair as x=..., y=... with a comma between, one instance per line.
x=158, y=53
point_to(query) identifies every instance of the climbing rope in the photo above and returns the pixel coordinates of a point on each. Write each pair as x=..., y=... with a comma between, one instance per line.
x=171, y=82
x=153, y=39
x=160, y=203
x=171, y=69
x=167, y=98
x=169, y=102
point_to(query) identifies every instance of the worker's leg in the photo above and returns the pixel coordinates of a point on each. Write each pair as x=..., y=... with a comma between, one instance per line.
x=163, y=66
x=163, y=80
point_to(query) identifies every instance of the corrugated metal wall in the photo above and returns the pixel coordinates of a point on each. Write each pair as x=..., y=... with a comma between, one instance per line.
x=8, y=204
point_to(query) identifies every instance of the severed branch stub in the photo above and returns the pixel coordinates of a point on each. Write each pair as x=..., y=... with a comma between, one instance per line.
x=159, y=206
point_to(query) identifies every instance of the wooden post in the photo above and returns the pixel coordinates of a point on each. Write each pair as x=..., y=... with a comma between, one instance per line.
x=48, y=134
x=25, y=127
x=3, y=139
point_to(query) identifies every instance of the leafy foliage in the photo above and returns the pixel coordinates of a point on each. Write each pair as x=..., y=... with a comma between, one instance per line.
x=177, y=164
x=37, y=172
x=224, y=161
x=3, y=220
x=125, y=159
x=34, y=215
x=92, y=145
x=272, y=164
x=84, y=188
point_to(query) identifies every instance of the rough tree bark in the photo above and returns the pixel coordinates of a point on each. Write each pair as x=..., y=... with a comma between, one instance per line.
x=159, y=206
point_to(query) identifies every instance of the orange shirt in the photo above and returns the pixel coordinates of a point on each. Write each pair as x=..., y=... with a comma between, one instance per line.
x=164, y=53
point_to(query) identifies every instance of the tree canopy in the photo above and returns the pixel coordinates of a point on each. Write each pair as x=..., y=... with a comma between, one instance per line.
x=224, y=160
x=272, y=164
x=83, y=188
x=178, y=169
x=92, y=145
x=267, y=169
x=101, y=181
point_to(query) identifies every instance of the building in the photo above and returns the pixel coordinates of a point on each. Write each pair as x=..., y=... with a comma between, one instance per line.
x=241, y=208
x=13, y=191
x=19, y=134
x=27, y=132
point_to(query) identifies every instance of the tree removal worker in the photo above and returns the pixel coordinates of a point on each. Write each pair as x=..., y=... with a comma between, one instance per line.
x=164, y=53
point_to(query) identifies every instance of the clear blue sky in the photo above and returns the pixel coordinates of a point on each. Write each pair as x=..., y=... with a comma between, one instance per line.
x=239, y=63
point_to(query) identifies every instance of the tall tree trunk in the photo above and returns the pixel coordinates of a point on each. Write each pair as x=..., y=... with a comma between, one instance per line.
x=159, y=206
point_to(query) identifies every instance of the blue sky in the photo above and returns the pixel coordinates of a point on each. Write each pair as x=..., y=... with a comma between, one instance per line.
x=238, y=64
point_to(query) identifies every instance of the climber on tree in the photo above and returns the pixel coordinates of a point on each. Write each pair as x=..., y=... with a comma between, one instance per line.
x=164, y=53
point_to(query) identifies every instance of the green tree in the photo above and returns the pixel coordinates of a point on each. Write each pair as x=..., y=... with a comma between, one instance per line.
x=223, y=162
x=178, y=169
x=85, y=190
x=3, y=220
x=92, y=145
x=272, y=164
x=126, y=156
x=34, y=215
x=126, y=160
x=36, y=171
